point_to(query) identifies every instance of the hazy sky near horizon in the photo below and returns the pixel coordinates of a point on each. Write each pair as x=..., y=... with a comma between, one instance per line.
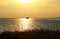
x=35, y=9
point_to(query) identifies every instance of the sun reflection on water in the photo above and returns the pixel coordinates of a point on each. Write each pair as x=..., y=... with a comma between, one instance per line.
x=25, y=24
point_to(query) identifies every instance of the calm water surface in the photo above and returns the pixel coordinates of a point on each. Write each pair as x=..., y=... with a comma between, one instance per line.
x=23, y=24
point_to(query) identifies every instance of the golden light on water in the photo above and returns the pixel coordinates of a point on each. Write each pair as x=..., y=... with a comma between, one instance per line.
x=25, y=25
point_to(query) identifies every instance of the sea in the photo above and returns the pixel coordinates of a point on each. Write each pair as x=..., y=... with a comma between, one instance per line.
x=24, y=24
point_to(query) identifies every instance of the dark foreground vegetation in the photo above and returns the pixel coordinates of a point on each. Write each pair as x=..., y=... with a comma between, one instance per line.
x=42, y=34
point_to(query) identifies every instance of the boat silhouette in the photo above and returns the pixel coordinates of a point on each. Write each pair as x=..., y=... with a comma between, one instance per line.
x=27, y=17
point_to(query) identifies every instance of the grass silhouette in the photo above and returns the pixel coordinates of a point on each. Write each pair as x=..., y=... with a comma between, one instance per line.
x=35, y=34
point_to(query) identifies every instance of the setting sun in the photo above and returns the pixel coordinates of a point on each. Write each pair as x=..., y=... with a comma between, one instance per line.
x=25, y=1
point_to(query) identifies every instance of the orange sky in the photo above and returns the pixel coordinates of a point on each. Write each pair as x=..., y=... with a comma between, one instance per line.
x=34, y=9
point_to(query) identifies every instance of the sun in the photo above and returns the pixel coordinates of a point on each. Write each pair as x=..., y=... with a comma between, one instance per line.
x=25, y=1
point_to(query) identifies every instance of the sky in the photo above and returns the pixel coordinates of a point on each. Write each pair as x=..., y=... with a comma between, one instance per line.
x=33, y=9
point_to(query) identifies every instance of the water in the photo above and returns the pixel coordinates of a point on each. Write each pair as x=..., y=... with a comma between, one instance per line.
x=23, y=24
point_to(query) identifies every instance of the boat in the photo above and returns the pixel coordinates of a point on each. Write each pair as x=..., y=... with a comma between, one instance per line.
x=27, y=17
